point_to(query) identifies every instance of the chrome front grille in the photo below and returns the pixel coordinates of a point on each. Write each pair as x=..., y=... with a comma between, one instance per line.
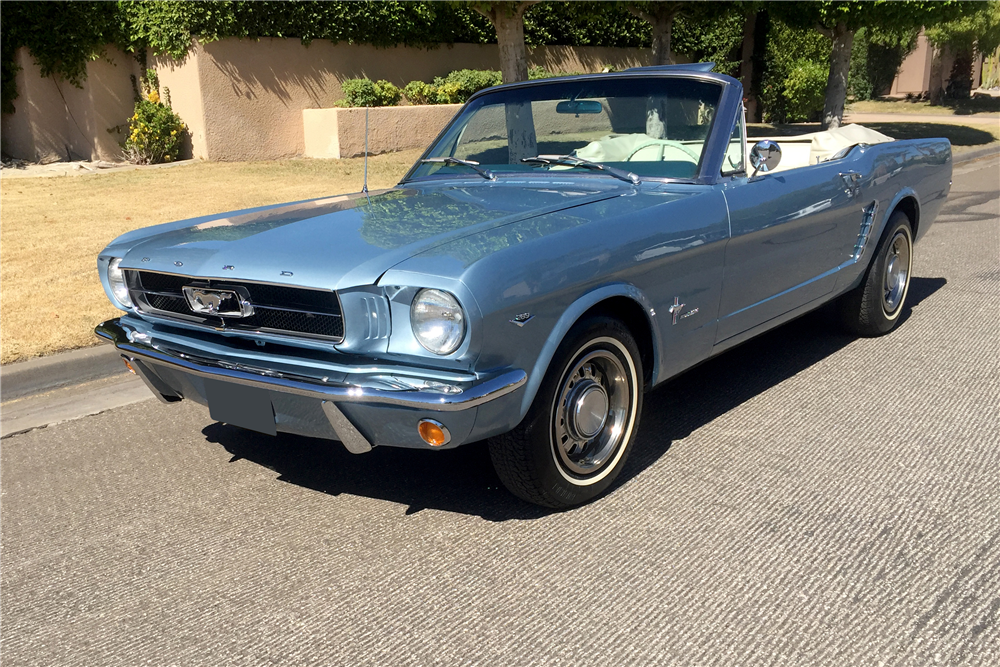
x=280, y=309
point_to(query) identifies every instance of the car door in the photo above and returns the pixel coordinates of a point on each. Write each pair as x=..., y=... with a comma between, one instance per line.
x=787, y=239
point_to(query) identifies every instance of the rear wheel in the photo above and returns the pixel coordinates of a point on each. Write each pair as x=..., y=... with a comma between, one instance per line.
x=873, y=308
x=575, y=438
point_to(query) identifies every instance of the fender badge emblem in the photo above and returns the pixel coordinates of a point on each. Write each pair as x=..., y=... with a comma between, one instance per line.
x=675, y=310
x=228, y=267
x=689, y=313
x=145, y=259
x=522, y=319
x=286, y=273
x=178, y=263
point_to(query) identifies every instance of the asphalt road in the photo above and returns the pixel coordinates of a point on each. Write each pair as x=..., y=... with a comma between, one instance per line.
x=807, y=499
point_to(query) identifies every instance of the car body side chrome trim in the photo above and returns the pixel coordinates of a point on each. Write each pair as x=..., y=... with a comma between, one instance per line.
x=471, y=395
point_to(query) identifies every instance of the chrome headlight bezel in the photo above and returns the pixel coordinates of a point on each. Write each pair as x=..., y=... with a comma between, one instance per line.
x=116, y=281
x=438, y=321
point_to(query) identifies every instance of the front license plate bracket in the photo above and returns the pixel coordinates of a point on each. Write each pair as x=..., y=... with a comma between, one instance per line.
x=239, y=405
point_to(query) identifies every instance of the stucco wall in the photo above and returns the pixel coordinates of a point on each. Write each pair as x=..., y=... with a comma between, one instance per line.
x=243, y=99
x=926, y=68
x=253, y=92
x=915, y=72
x=54, y=120
x=337, y=133
x=181, y=77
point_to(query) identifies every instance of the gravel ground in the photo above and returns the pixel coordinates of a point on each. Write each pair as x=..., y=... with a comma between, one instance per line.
x=806, y=499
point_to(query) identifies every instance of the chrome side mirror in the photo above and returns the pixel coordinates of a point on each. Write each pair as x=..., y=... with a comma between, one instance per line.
x=764, y=156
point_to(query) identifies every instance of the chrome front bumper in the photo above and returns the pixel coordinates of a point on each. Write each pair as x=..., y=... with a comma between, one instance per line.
x=399, y=388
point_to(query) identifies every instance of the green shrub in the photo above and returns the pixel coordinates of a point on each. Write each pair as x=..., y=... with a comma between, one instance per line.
x=786, y=49
x=875, y=60
x=805, y=91
x=460, y=85
x=538, y=72
x=368, y=93
x=155, y=131
x=418, y=92
x=450, y=92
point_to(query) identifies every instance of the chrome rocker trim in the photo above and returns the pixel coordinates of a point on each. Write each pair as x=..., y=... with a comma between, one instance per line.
x=470, y=396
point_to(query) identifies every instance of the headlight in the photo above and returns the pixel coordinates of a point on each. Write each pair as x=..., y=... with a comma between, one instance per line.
x=116, y=278
x=438, y=321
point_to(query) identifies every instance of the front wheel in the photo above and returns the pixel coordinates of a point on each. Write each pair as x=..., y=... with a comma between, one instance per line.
x=873, y=308
x=575, y=438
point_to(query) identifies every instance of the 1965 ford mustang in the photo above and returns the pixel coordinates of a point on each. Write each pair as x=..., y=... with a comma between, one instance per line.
x=564, y=246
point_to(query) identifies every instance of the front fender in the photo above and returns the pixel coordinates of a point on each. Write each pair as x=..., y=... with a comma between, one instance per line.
x=571, y=316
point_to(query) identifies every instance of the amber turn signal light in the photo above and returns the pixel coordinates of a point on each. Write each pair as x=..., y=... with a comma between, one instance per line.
x=128, y=366
x=434, y=433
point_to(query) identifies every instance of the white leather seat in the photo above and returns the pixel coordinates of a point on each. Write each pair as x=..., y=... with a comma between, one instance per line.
x=806, y=149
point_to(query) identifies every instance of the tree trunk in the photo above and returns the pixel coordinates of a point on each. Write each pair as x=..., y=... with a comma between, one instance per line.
x=836, y=84
x=508, y=21
x=746, y=65
x=940, y=64
x=521, y=140
x=510, y=39
x=662, y=28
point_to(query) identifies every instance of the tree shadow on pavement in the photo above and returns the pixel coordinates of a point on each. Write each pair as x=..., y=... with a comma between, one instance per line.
x=462, y=480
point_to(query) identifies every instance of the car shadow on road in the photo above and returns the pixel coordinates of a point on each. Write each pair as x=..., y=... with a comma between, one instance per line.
x=462, y=480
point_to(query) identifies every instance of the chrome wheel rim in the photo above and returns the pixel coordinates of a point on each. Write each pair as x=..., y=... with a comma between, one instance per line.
x=591, y=413
x=896, y=276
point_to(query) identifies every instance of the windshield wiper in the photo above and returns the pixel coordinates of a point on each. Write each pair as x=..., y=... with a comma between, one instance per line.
x=573, y=161
x=485, y=173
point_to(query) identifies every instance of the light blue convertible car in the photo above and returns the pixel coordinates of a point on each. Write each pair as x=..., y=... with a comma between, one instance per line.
x=564, y=246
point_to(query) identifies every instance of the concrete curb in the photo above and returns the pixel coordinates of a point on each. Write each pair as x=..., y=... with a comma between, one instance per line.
x=35, y=376
x=989, y=151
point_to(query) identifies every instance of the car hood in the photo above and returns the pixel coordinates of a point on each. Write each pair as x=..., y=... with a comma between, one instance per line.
x=348, y=240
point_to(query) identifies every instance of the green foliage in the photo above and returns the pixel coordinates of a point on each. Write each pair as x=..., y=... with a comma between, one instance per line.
x=538, y=72
x=458, y=86
x=979, y=29
x=62, y=37
x=155, y=131
x=466, y=82
x=878, y=14
x=455, y=88
x=419, y=92
x=716, y=38
x=368, y=93
x=787, y=50
x=168, y=26
x=449, y=92
x=805, y=91
x=875, y=60
x=584, y=24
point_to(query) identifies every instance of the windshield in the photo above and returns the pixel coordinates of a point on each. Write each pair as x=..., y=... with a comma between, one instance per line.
x=652, y=127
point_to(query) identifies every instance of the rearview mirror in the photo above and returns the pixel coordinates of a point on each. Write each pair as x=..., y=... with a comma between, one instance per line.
x=764, y=156
x=579, y=106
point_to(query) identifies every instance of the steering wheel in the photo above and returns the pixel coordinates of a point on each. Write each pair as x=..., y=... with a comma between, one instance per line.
x=663, y=144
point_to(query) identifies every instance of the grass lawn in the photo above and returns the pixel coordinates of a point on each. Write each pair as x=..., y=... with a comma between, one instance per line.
x=979, y=105
x=51, y=230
